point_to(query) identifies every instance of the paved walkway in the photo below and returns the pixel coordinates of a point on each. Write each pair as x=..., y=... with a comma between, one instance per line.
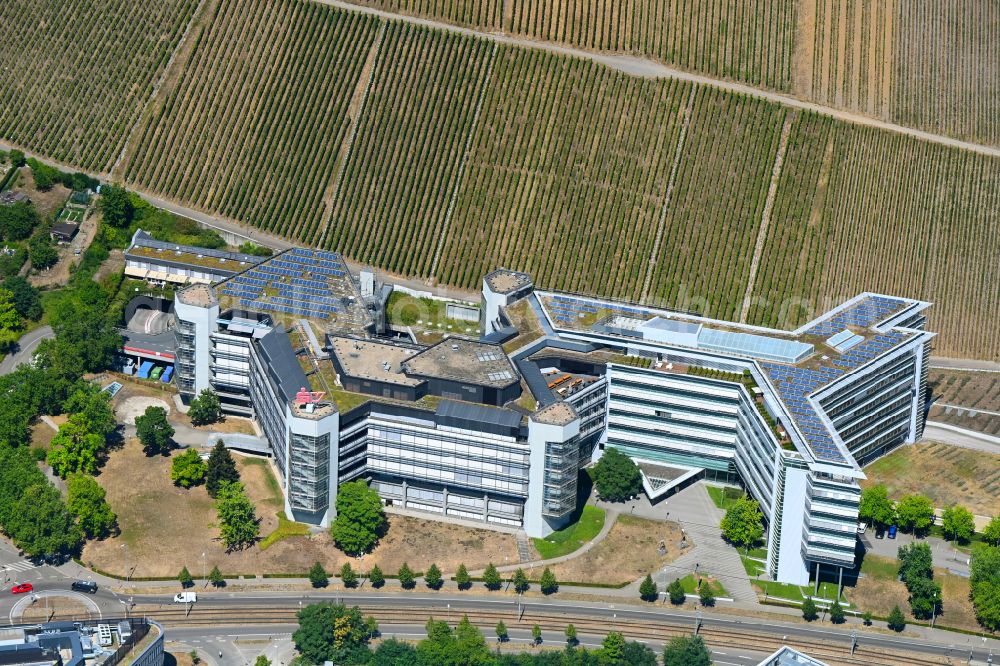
x=610, y=517
x=955, y=436
x=972, y=365
x=943, y=553
x=696, y=513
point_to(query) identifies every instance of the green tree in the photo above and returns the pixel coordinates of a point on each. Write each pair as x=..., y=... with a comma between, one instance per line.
x=915, y=513
x=520, y=581
x=705, y=595
x=984, y=581
x=86, y=338
x=491, y=578
x=188, y=469
x=536, y=635
x=896, y=621
x=75, y=448
x=215, y=577
x=612, y=649
x=41, y=253
x=925, y=598
x=648, y=590
x=743, y=524
x=331, y=632
x=116, y=205
x=876, y=508
x=686, y=651
x=836, y=613
x=501, y=632
x=571, y=639
x=27, y=300
x=221, y=468
x=462, y=578
x=637, y=654
x=676, y=592
x=957, y=523
x=548, y=583
x=616, y=476
x=185, y=578
x=376, y=577
x=371, y=625
x=16, y=158
x=205, y=408
x=238, y=520
x=318, y=576
x=866, y=618
x=360, y=518
x=10, y=321
x=348, y=576
x=262, y=661
x=94, y=406
x=991, y=534
x=407, y=579
x=915, y=562
x=17, y=221
x=85, y=500
x=466, y=645
x=809, y=611
x=394, y=653
x=154, y=431
x=41, y=524
x=433, y=578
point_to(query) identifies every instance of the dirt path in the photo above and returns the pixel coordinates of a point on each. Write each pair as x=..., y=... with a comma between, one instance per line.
x=765, y=216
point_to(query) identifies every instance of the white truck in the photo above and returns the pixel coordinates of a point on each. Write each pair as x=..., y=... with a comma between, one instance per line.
x=185, y=597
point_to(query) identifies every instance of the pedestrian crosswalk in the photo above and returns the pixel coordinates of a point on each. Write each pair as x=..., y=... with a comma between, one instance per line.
x=21, y=565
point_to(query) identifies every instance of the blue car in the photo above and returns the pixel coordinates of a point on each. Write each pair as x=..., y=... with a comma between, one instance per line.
x=892, y=531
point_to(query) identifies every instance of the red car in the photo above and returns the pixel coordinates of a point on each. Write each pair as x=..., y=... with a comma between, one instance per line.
x=21, y=588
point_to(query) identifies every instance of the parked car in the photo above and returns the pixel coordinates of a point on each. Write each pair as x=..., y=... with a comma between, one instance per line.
x=892, y=531
x=862, y=528
x=185, y=597
x=87, y=586
x=879, y=532
x=21, y=588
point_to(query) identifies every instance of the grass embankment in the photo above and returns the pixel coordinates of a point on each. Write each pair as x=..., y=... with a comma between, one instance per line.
x=690, y=585
x=286, y=528
x=724, y=497
x=571, y=538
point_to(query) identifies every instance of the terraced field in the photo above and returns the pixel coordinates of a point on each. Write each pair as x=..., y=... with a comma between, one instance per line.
x=255, y=122
x=968, y=400
x=76, y=75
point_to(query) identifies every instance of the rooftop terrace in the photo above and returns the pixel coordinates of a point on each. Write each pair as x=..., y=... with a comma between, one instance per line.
x=464, y=360
x=380, y=361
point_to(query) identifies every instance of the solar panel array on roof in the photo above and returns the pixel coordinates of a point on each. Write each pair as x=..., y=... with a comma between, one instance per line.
x=867, y=312
x=565, y=310
x=795, y=385
x=303, y=282
x=754, y=346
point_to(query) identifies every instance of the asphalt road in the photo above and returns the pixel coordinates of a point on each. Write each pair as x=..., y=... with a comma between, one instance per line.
x=25, y=347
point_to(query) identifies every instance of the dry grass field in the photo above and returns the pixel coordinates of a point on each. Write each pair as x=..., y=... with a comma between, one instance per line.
x=629, y=552
x=961, y=476
x=878, y=590
x=166, y=528
x=960, y=397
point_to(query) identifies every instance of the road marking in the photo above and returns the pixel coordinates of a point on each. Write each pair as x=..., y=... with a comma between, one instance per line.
x=19, y=566
x=31, y=597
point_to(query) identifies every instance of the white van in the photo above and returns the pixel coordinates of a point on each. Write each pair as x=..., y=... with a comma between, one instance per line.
x=185, y=597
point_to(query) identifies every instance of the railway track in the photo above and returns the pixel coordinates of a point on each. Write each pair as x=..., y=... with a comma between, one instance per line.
x=835, y=654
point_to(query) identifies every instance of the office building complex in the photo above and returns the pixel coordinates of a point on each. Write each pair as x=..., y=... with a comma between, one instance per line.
x=497, y=429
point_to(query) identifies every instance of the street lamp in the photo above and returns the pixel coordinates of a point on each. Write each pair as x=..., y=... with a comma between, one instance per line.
x=125, y=547
x=204, y=569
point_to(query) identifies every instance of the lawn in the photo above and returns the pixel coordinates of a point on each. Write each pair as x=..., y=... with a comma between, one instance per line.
x=690, y=585
x=629, y=552
x=960, y=476
x=724, y=497
x=827, y=591
x=425, y=315
x=570, y=538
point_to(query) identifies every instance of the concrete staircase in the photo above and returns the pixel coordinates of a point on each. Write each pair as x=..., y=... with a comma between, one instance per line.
x=523, y=547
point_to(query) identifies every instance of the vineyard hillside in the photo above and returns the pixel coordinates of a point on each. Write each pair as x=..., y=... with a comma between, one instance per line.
x=922, y=63
x=76, y=75
x=441, y=155
x=254, y=124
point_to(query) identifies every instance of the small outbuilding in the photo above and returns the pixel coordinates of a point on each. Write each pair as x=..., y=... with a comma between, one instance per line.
x=64, y=232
